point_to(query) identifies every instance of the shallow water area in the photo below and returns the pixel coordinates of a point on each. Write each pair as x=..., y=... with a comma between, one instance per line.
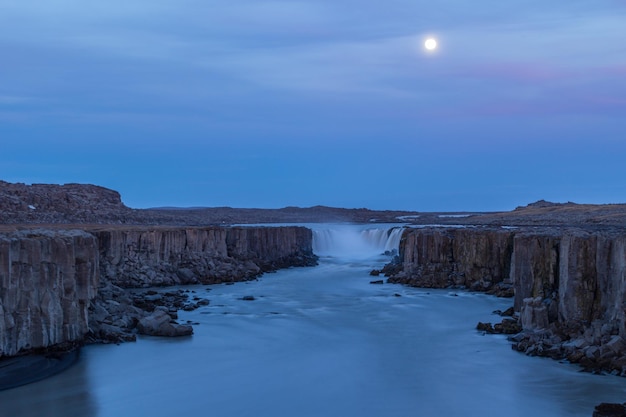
x=321, y=341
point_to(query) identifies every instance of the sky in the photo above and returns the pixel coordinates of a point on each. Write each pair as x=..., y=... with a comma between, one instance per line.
x=268, y=104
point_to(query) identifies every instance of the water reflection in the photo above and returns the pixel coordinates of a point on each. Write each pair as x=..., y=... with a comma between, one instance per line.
x=65, y=394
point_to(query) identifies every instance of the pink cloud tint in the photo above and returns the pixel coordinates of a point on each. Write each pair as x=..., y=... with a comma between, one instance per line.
x=520, y=72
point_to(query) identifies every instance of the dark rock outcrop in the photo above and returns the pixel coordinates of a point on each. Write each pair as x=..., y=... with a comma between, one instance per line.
x=160, y=323
x=507, y=326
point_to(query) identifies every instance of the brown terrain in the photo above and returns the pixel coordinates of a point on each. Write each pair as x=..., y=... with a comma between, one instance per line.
x=46, y=204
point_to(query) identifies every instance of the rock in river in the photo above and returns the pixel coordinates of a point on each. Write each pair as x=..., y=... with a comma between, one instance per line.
x=159, y=323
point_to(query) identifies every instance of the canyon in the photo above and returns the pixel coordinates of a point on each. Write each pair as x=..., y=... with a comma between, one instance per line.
x=73, y=259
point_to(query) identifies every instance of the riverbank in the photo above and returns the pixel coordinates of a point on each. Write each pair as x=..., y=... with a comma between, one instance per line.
x=567, y=283
x=315, y=342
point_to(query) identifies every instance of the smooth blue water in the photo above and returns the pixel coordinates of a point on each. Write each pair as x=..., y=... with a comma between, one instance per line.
x=318, y=342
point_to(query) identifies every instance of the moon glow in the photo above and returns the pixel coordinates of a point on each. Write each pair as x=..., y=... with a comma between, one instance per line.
x=430, y=44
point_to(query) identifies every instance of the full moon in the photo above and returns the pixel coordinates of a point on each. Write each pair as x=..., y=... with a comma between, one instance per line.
x=430, y=44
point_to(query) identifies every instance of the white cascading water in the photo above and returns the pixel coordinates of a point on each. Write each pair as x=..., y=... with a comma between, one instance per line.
x=355, y=241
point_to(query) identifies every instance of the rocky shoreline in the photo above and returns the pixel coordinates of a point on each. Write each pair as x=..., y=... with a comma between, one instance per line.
x=568, y=285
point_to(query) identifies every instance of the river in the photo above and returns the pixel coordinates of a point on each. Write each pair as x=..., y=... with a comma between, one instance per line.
x=322, y=342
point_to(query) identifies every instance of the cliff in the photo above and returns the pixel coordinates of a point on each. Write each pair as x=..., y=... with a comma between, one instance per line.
x=569, y=285
x=47, y=280
x=146, y=257
x=57, y=286
x=464, y=257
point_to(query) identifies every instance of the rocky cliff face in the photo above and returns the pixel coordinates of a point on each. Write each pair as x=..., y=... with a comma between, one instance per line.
x=47, y=280
x=569, y=284
x=57, y=286
x=441, y=258
x=145, y=257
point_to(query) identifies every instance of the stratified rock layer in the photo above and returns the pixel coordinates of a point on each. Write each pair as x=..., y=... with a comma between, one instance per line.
x=569, y=284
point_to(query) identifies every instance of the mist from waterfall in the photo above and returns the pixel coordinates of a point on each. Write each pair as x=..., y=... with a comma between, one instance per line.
x=356, y=241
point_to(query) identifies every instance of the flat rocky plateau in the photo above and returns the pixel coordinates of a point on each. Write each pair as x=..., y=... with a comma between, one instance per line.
x=47, y=205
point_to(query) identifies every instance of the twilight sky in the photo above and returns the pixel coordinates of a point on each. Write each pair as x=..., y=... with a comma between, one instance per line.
x=255, y=103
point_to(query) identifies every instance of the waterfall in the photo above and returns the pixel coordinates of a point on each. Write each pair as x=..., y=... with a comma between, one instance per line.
x=355, y=241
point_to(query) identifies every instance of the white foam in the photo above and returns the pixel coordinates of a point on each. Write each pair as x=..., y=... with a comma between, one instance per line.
x=355, y=241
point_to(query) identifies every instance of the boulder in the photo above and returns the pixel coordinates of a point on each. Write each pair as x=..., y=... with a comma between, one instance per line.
x=508, y=326
x=616, y=344
x=509, y=312
x=485, y=327
x=159, y=323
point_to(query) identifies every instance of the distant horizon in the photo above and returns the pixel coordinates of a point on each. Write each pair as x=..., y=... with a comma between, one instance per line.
x=200, y=207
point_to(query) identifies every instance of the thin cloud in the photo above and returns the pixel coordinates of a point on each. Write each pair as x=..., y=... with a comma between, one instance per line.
x=9, y=100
